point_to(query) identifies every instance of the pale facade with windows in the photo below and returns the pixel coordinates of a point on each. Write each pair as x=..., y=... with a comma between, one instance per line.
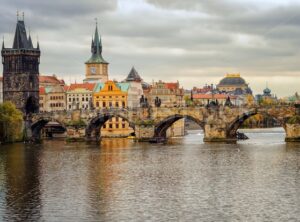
x=52, y=98
x=80, y=96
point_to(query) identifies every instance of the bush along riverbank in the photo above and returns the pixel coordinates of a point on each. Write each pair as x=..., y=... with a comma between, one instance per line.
x=11, y=123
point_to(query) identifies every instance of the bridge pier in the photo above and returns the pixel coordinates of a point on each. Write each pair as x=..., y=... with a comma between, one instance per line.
x=292, y=132
x=144, y=133
x=217, y=133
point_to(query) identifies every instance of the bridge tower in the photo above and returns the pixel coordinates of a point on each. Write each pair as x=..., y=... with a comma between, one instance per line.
x=21, y=71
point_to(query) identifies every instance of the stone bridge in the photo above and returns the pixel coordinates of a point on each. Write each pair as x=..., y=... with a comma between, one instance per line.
x=220, y=124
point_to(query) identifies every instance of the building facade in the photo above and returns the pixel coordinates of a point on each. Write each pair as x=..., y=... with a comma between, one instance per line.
x=135, y=90
x=21, y=71
x=80, y=96
x=52, y=98
x=96, y=68
x=112, y=95
x=170, y=94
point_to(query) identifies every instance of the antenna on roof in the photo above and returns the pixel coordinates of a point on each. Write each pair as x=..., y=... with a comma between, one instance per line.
x=23, y=16
x=17, y=15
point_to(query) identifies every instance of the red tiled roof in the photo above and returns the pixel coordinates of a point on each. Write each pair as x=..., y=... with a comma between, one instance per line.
x=50, y=79
x=66, y=88
x=87, y=86
x=210, y=96
x=42, y=90
x=172, y=85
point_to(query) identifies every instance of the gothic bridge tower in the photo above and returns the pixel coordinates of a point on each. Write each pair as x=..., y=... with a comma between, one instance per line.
x=21, y=71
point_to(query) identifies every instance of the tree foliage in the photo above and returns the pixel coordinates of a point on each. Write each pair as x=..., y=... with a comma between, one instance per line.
x=11, y=123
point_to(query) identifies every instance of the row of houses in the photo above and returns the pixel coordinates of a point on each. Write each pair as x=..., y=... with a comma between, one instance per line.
x=56, y=95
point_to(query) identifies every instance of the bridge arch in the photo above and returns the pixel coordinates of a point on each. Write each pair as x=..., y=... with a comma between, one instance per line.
x=162, y=127
x=39, y=124
x=238, y=122
x=93, y=128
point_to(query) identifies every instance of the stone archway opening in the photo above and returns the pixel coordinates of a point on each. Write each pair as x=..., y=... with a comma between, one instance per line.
x=46, y=128
x=175, y=126
x=109, y=126
x=31, y=105
x=254, y=125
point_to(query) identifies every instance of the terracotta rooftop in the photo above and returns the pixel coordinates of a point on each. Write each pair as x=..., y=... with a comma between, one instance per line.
x=87, y=86
x=42, y=90
x=210, y=96
x=172, y=85
x=51, y=79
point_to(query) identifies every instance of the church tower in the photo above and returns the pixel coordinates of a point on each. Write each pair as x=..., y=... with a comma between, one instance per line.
x=21, y=71
x=96, y=67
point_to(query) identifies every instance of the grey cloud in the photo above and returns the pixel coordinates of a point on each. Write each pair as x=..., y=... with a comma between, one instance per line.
x=167, y=39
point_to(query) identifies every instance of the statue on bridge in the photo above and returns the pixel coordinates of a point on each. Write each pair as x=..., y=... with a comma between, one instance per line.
x=228, y=102
x=144, y=102
x=157, y=102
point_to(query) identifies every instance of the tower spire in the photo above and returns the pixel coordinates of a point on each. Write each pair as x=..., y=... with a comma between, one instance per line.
x=97, y=41
x=3, y=43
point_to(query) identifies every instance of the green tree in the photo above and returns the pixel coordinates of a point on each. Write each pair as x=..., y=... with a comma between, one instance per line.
x=11, y=123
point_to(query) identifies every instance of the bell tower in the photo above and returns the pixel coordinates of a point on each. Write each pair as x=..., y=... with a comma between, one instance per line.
x=21, y=71
x=96, y=67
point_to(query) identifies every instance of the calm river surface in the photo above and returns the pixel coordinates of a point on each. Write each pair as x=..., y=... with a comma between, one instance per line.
x=185, y=180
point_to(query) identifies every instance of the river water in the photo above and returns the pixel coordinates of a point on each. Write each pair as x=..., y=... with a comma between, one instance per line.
x=184, y=180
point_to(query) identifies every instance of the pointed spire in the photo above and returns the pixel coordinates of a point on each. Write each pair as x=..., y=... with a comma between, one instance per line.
x=133, y=76
x=92, y=45
x=3, y=47
x=30, y=45
x=97, y=41
x=38, y=44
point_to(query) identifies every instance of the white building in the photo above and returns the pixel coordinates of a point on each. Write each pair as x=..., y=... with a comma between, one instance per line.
x=1, y=89
x=135, y=90
x=80, y=96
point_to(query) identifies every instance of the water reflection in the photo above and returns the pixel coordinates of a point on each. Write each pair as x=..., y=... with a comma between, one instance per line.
x=22, y=186
x=121, y=180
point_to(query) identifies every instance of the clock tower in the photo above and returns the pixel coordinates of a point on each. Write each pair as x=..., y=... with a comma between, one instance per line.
x=96, y=68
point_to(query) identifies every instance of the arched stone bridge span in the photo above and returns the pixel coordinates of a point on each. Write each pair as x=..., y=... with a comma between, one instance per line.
x=219, y=123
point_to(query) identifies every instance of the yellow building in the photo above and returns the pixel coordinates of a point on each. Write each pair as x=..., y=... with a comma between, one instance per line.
x=96, y=68
x=111, y=95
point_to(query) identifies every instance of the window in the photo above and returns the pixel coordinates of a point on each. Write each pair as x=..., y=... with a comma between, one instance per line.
x=117, y=126
x=123, y=125
x=110, y=104
x=123, y=104
x=117, y=104
x=82, y=99
x=87, y=99
x=104, y=104
x=104, y=126
x=117, y=118
x=97, y=104
x=70, y=100
x=70, y=106
x=110, y=126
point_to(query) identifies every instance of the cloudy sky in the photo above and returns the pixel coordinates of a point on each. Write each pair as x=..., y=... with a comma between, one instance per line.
x=192, y=41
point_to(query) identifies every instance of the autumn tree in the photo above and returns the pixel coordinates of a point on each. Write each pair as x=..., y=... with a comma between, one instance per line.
x=11, y=123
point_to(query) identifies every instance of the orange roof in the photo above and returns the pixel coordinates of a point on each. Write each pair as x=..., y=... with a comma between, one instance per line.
x=171, y=85
x=66, y=87
x=87, y=86
x=50, y=79
x=42, y=90
x=210, y=96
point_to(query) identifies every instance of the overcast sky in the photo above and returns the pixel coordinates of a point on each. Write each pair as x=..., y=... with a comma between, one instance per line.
x=194, y=42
